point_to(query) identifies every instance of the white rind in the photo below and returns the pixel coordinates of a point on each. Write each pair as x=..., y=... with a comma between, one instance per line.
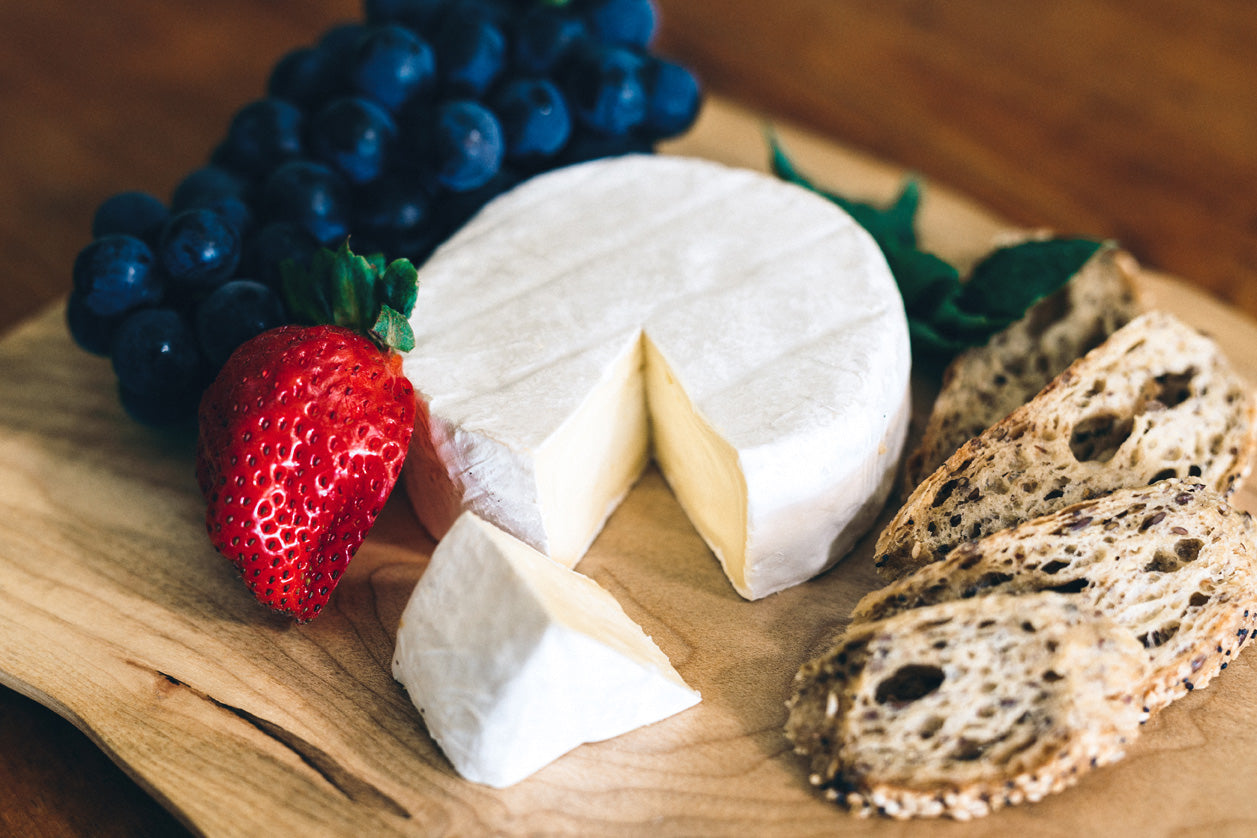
x=770, y=307
x=513, y=660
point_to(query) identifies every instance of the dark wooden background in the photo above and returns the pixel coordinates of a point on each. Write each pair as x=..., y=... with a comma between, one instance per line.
x=1117, y=118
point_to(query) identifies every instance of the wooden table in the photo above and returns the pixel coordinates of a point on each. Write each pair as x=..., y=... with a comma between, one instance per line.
x=1131, y=120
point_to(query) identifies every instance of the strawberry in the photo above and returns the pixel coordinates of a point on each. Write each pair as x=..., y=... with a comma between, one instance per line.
x=305, y=429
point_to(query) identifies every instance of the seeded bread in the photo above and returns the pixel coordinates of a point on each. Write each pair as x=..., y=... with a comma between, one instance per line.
x=986, y=383
x=1155, y=400
x=962, y=707
x=1172, y=563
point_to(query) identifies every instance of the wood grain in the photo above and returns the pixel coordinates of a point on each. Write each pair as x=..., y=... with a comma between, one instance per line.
x=1134, y=119
x=121, y=618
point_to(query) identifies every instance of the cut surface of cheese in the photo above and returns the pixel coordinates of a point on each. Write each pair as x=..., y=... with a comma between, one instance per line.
x=513, y=660
x=743, y=332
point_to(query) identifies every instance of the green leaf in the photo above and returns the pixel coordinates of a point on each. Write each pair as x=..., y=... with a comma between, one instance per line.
x=303, y=294
x=400, y=286
x=924, y=279
x=946, y=315
x=392, y=329
x=1012, y=279
x=376, y=260
x=353, y=295
x=893, y=226
x=343, y=288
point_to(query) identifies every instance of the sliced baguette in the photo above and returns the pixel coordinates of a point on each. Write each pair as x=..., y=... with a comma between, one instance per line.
x=986, y=383
x=1172, y=563
x=962, y=707
x=1155, y=400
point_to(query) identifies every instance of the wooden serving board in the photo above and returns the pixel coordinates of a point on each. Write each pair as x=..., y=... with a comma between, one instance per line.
x=116, y=613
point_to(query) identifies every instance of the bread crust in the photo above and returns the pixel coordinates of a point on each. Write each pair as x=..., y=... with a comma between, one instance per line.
x=1155, y=400
x=963, y=707
x=1172, y=563
x=984, y=384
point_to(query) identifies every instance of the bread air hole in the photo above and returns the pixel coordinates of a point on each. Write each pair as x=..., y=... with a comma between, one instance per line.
x=1052, y=309
x=1174, y=388
x=1159, y=637
x=931, y=726
x=909, y=683
x=1096, y=438
x=990, y=579
x=1072, y=587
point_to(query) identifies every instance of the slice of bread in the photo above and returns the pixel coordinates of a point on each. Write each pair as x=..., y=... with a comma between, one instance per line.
x=962, y=707
x=984, y=384
x=1172, y=563
x=1155, y=400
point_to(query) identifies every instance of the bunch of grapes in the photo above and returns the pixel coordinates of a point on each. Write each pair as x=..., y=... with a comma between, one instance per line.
x=392, y=131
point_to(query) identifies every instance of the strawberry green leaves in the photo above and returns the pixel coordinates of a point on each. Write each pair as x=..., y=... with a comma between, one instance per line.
x=945, y=314
x=361, y=293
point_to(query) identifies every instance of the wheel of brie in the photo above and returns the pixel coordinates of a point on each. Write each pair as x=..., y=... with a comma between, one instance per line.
x=744, y=333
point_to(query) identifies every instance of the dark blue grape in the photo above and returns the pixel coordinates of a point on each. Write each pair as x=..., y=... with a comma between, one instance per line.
x=606, y=88
x=235, y=212
x=272, y=245
x=310, y=195
x=155, y=352
x=205, y=186
x=396, y=214
x=588, y=145
x=471, y=51
x=674, y=99
x=453, y=209
x=534, y=117
x=341, y=43
x=199, y=249
x=629, y=23
x=393, y=64
x=264, y=134
x=465, y=148
x=234, y=313
x=160, y=410
x=302, y=76
x=420, y=15
x=115, y=274
x=90, y=330
x=339, y=47
x=544, y=37
x=132, y=213
x=354, y=136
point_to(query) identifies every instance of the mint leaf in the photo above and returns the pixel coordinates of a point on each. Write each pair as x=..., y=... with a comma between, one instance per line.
x=1012, y=279
x=924, y=279
x=894, y=226
x=945, y=314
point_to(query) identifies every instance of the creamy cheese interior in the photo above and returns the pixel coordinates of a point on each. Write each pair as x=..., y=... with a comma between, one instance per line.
x=743, y=332
x=587, y=467
x=701, y=467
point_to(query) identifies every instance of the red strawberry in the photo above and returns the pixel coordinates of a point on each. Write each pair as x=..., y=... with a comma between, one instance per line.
x=302, y=438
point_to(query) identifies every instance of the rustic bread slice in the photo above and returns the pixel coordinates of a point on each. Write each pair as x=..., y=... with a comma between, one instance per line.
x=962, y=707
x=984, y=384
x=1155, y=400
x=1172, y=563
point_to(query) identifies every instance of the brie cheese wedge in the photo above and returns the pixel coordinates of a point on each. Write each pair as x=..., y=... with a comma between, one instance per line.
x=513, y=660
x=743, y=332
